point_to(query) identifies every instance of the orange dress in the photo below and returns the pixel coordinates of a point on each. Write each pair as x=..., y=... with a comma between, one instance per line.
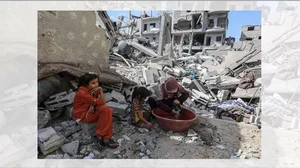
x=102, y=113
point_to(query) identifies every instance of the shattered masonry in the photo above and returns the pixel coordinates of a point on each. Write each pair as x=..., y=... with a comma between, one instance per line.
x=189, y=45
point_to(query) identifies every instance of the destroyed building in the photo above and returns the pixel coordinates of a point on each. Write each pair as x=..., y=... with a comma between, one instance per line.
x=251, y=32
x=197, y=29
x=212, y=77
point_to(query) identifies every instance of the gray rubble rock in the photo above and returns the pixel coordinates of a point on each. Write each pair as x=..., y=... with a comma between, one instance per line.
x=66, y=156
x=53, y=143
x=71, y=148
x=116, y=152
x=43, y=118
x=150, y=145
x=83, y=151
x=118, y=96
x=58, y=128
x=71, y=122
x=59, y=156
x=45, y=133
x=107, y=97
x=65, y=124
x=126, y=137
x=191, y=133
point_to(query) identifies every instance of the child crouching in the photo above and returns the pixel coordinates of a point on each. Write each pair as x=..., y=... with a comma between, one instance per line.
x=139, y=115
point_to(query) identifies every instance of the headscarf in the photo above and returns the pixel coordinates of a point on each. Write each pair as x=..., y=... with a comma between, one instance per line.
x=170, y=87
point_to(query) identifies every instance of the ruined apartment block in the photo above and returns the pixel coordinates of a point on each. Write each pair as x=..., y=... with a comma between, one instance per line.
x=150, y=27
x=250, y=32
x=194, y=30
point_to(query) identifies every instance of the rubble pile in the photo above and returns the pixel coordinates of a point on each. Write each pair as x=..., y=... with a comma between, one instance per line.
x=212, y=80
x=223, y=82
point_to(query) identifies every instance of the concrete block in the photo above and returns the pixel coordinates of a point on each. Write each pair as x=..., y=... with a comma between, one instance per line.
x=117, y=107
x=155, y=74
x=188, y=102
x=186, y=81
x=43, y=118
x=228, y=82
x=71, y=148
x=212, y=80
x=107, y=97
x=200, y=97
x=45, y=133
x=148, y=76
x=52, y=144
x=246, y=93
x=223, y=95
x=169, y=63
x=197, y=86
x=155, y=65
x=118, y=96
x=177, y=72
x=116, y=87
x=60, y=100
x=88, y=128
x=162, y=73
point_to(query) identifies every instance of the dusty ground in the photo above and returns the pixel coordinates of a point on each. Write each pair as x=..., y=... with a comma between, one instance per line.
x=214, y=139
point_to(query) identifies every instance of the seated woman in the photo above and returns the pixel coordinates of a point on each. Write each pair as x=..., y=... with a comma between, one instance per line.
x=89, y=106
x=139, y=115
x=169, y=97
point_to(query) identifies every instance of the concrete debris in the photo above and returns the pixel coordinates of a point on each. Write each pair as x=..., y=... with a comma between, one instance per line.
x=54, y=142
x=43, y=118
x=126, y=137
x=71, y=148
x=209, y=66
x=118, y=96
x=60, y=100
x=89, y=128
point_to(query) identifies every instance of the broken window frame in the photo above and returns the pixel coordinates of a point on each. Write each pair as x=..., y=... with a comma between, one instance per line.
x=153, y=24
x=220, y=39
x=251, y=28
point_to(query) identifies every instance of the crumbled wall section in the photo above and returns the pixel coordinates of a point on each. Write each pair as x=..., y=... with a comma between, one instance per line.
x=72, y=37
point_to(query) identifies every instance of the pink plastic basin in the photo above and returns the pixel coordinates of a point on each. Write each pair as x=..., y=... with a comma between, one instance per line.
x=182, y=124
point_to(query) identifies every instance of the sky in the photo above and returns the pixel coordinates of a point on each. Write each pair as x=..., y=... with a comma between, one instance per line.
x=236, y=19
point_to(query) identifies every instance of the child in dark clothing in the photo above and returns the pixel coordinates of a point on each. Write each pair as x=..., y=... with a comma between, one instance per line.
x=139, y=115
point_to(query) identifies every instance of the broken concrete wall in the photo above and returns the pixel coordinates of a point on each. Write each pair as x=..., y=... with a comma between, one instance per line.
x=250, y=31
x=71, y=42
x=71, y=37
x=215, y=37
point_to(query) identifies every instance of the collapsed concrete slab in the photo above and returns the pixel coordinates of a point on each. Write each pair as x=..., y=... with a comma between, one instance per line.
x=247, y=93
x=49, y=140
x=197, y=86
x=117, y=107
x=118, y=96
